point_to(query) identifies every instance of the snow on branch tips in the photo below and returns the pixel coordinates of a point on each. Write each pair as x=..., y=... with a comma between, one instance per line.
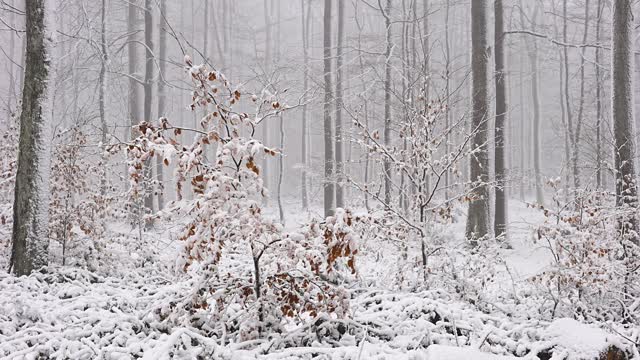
x=243, y=283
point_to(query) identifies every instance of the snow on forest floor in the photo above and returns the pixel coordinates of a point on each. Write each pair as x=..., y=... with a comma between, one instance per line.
x=71, y=313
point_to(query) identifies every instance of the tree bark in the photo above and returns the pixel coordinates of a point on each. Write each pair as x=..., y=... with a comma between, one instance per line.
x=305, y=131
x=266, y=169
x=329, y=189
x=162, y=96
x=500, y=219
x=622, y=113
x=134, y=102
x=339, y=104
x=30, y=238
x=147, y=87
x=567, y=94
x=579, y=120
x=387, y=103
x=478, y=216
x=599, y=162
x=102, y=92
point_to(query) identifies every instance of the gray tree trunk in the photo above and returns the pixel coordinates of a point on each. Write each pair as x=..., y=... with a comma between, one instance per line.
x=339, y=104
x=134, y=102
x=266, y=169
x=579, y=120
x=305, y=130
x=535, y=98
x=102, y=91
x=567, y=94
x=162, y=96
x=30, y=238
x=599, y=162
x=478, y=216
x=387, y=103
x=329, y=189
x=148, y=83
x=12, y=45
x=622, y=112
x=500, y=219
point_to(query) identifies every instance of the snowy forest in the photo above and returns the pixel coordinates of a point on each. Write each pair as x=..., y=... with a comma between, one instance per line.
x=319, y=179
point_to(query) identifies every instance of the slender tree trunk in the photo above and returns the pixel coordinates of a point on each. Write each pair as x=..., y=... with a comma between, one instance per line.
x=447, y=75
x=563, y=117
x=12, y=80
x=134, y=102
x=305, y=125
x=280, y=120
x=329, y=189
x=387, y=103
x=205, y=40
x=148, y=78
x=365, y=106
x=622, y=113
x=523, y=122
x=599, y=163
x=266, y=169
x=103, y=89
x=567, y=95
x=30, y=238
x=339, y=104
x=478, y=217
x=162, y=96
x=500, y=219
x=427, y=48
x=579, y=120
x=535, y=98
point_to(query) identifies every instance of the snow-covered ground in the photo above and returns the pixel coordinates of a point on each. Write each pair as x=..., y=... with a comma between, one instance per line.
x=71, y=313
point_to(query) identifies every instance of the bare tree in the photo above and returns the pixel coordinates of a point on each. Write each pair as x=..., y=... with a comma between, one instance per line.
x=500, y=219
x=599, y=162
x=387, y=101
x=162, y=96
x=134, y=102
x=478, y=217
x=579, y=120
x=30, y=237
x=622, y=112
x=329, y=189
x=532, y=47
x=305, y=125
x=339, y=104
x=148, y=80
x=102, y=83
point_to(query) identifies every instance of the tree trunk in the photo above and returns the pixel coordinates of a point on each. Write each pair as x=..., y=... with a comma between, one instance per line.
x=162, y=96
x=599, y=163
x=426, y=49
x=148, y=78
x=329, y=190
x=500, y=219
x=266, y=171
x=12, y=45
x=622, y=113
x=339, y=104
x=134, y=102
x=579, y=120
x=478, y=217
x=305, y=130
x=103, y=90
x=31, y=203
x=387, y=103
x=567, y=95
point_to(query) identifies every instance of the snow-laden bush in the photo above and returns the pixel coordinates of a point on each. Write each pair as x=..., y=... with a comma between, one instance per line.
x=250, y=273
x=594, y=276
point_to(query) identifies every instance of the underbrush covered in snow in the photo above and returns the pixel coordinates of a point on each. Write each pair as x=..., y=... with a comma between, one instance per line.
x=75, y=314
